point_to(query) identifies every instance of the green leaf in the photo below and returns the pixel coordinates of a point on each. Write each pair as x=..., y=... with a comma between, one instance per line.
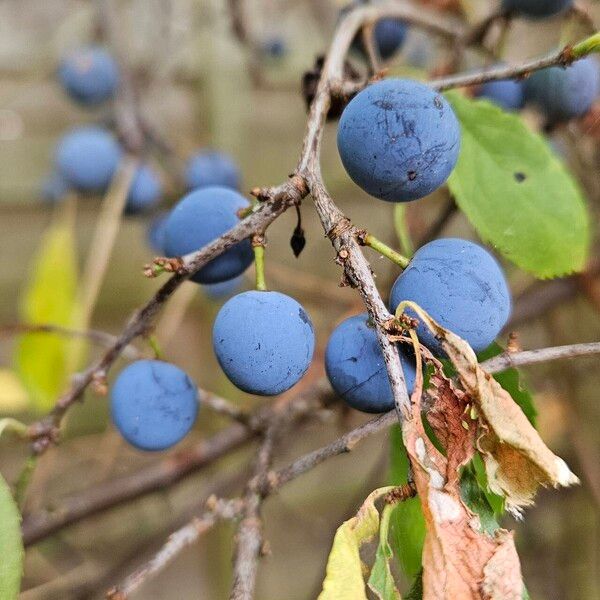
x=495, y=501
x=407, y=523
x=416, y=591
x=11, y=565
x=401, y=227
x=344, y=573
x=475, y=498
x=516, y=193
x=510, y=380
x=45, y=360
x=381, y=580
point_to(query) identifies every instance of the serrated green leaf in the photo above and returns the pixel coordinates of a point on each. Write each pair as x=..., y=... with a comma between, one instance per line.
x=381, y=581
x=510, y=380
x=519, y=197
x=344, y=573
x=44, y=360
x=407, y=523
x=11, y=565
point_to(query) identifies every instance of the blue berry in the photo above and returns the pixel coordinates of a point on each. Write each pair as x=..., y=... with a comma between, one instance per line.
x=389, y=34
x=537, y=9
x=210, y=168
x=89, y=75
x=389, y=37
x=563, y=93
x=264, y=342
x=156, y=232
x=201, y=217
x=507, y=93
x=275, y=47
x=223, y=290
x=145, y=190
x=462, y=286
x=398, y=140
x=356, y=369
x=153, y=404
x=54, y=188
x=87, y=158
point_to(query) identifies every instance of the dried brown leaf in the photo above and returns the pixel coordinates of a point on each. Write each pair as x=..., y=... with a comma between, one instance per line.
x=517, y=460
x=459, y=559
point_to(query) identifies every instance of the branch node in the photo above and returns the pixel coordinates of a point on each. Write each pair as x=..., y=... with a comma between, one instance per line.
x=164, y=264
x=342, y=226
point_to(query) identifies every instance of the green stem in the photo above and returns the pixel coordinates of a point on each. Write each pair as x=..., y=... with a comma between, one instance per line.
x=259, y=265
x=10, y=424
x=24, y=480
x=587, y=46
x=153, y=341
x=385, y=250
x=401, y=227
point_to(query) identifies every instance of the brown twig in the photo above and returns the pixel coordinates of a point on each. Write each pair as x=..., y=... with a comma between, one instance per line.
x=530, y=357
x=249, y=538
x=562, y=57
x=168, y=471
x=95, y=336
x=217, y=509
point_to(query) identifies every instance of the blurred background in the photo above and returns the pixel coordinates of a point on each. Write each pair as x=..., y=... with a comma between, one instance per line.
x=198, y=85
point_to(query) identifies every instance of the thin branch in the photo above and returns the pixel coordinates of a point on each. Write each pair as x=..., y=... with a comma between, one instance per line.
x=562, y=57
x=95, y=336
x=530, y=357
x=168, y=471
x=226, y=408
x=249, y=539
x=45, y=432
x=218, y=509
x=340, y=446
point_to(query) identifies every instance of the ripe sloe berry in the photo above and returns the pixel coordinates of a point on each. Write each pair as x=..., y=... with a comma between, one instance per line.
x=461, y=285
x=264, y=342
x=507, y=93
x=145, y=190
x=356, y=369
x=201, y=217
x=87, y=158
x=89, y=75
x=210, y=168
x=398, y=140
x=563, y=93
x=154, y=404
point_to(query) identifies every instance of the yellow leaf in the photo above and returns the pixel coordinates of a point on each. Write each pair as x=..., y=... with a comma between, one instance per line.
x=44, y=360
x=13, y=395
x=344, y=574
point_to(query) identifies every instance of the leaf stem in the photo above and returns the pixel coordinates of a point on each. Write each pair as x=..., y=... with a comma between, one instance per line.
x=258, y=245
x=370, y=240
x=587, y=46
